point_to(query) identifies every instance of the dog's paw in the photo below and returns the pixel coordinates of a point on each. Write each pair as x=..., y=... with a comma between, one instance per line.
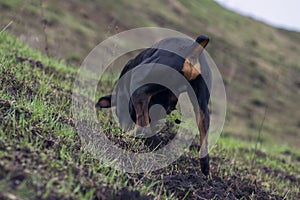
x=204, y=164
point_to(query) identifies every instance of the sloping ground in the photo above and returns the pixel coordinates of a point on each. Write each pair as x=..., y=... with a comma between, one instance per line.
x=259, y=64
x=41, y=156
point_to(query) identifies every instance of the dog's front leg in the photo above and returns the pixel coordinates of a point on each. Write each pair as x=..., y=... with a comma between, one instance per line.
x=141, y=108
x=140, y=100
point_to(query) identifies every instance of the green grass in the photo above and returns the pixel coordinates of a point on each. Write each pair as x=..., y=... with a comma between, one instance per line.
x=37, y=134
x=41, y=155
x=269, y=164
x=255, y=60
x=11, y=4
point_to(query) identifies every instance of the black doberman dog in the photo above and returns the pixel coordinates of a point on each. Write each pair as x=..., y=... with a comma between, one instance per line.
x=185, y=57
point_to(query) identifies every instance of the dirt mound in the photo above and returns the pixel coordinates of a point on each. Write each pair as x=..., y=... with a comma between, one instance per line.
x=188, y=182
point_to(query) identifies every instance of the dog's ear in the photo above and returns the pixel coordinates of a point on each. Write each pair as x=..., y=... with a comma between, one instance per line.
x=104, y=102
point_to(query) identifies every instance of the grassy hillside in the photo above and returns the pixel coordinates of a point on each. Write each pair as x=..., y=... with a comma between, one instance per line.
x=40, y=152
x=259, y=63
x=41, y=155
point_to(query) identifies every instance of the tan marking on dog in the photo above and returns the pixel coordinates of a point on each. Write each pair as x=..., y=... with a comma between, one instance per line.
x=140, y=112
x=203, y=135
x=147, y=111
x=191, y=71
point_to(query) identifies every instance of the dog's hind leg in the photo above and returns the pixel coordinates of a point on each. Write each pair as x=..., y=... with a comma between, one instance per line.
x=203, y=126
x=203, y=119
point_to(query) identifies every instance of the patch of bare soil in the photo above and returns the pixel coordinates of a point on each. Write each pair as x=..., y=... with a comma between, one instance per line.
x=188, y=182
x=184, y=178
x=47, y=69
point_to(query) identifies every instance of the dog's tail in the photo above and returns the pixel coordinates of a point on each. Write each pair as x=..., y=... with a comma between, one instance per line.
x=104, y=102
